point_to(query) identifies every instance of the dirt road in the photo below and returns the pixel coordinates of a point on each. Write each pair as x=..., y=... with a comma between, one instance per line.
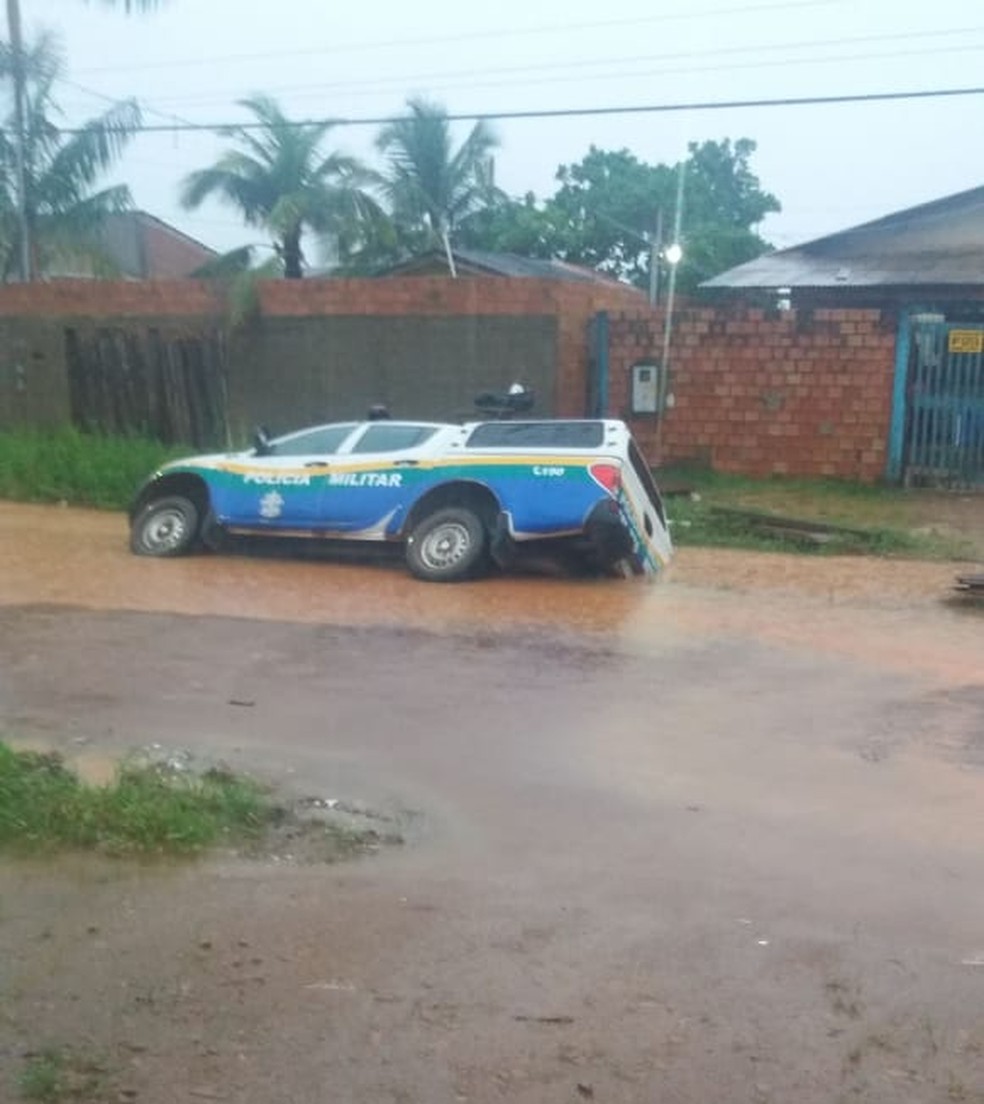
x=717, y=840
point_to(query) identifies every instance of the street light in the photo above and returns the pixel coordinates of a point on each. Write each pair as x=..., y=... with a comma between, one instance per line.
x=672, y=255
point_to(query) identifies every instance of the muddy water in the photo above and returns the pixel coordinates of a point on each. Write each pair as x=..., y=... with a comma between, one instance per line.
x=747, y=871
x=80, y=558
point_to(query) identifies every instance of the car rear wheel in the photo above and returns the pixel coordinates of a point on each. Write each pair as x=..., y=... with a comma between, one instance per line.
x=447, y=546
x=165, y=527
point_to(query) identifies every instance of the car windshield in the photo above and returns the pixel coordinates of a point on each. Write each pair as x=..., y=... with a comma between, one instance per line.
x=644, y=472
x=320, y=441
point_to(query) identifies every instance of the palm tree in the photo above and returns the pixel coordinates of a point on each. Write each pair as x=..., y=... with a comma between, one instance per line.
x=282, y=182
x=430, y=185
x=62, y=212
x=18, y=74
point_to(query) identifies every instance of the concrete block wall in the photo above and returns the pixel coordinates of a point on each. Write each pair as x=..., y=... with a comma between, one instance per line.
x=757, y=393
x=797, y=393
x=42, y=312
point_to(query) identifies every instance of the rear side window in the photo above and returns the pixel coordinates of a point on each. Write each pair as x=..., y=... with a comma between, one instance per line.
x=383, y=437
x=642, y=470
x=312, y=442
x=559, y=435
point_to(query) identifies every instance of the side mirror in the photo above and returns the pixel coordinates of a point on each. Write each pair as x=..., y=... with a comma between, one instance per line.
x=261, y=441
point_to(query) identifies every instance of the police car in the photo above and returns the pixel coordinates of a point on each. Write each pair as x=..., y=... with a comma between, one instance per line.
x=459, y=498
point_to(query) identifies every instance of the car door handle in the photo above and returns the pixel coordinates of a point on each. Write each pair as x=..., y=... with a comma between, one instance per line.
x=405, y=463
x=317, y=464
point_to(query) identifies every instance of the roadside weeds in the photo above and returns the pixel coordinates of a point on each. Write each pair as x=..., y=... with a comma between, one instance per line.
x=815, y=516
x=162, y=809
x=59, y=1074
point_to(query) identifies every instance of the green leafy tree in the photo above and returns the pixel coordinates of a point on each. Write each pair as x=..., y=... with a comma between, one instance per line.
x=605, y=213
x=723, y=205
x=431, y=186
x=65, y=209
x=606, y=206
x=283, y=182
x=521, y=226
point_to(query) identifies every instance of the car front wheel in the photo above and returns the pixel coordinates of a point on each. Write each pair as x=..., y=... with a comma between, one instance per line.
x=165, y=527
x=447, y=546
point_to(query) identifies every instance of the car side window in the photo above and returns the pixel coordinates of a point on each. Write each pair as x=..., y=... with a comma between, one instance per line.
x=392, y=437
x=579, y=434
x=312, y=442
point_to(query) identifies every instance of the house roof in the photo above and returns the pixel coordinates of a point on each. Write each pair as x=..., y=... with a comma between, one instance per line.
x=145, y=247
x=480, y=262
x=936, y=243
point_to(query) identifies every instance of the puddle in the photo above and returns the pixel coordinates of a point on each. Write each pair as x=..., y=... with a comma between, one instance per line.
x=890, y=612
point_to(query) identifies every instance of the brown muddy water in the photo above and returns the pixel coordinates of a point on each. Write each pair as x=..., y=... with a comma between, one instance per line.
x=718, y=839
x=64, y=556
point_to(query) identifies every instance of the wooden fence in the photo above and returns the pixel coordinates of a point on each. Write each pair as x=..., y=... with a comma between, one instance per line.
x=171, y=387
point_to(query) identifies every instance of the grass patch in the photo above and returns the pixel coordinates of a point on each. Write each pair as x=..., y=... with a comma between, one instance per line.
x=55, y=1075
x=146, y=810
x=872, y=520
x=79, y=468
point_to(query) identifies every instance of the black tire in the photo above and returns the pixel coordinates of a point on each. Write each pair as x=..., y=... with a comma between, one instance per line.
x=165, y=527
x=447, y=546
x=212, y=537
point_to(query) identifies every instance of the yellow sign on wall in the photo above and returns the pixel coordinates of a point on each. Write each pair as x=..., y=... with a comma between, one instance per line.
x=966, y=341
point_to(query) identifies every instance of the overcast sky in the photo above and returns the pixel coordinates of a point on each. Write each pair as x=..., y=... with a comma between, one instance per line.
x=831, y=166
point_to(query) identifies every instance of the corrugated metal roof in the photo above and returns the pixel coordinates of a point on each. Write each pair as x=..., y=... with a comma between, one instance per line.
x=505, y=264
x=937, y=243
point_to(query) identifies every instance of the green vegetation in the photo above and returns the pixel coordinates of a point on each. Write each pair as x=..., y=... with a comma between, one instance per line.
x=42, y=1077
x=282, y=181
x=432, y=187
x=55, y=1075
x=66, y=208
x=825, y=516
x=604, y=213
x=146, y=810
x=79, y=468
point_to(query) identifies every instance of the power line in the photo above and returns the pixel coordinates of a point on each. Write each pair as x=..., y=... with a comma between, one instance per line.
x=115, y=100
x=636, y=74
x=512, y=33
x=401, y=80
x=577, y=112
x=622, y=74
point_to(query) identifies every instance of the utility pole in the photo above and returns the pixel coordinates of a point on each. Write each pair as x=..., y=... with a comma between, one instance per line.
x=677, y=226
x=17, y=70
x=674, y=255
x=655, y=258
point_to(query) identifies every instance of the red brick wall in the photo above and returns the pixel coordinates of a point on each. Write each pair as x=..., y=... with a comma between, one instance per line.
x=43, y=311
x=419, y=295
x=573, y=304
x=109, y=299
x=790, y=394
x=801, y=393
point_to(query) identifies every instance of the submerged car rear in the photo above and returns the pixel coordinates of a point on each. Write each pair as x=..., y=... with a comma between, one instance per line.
x=585, y=479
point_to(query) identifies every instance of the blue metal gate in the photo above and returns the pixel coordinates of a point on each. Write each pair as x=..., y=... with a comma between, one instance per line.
x=944, y=433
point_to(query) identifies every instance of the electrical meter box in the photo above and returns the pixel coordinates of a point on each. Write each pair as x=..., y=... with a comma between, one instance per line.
x=645, y=388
